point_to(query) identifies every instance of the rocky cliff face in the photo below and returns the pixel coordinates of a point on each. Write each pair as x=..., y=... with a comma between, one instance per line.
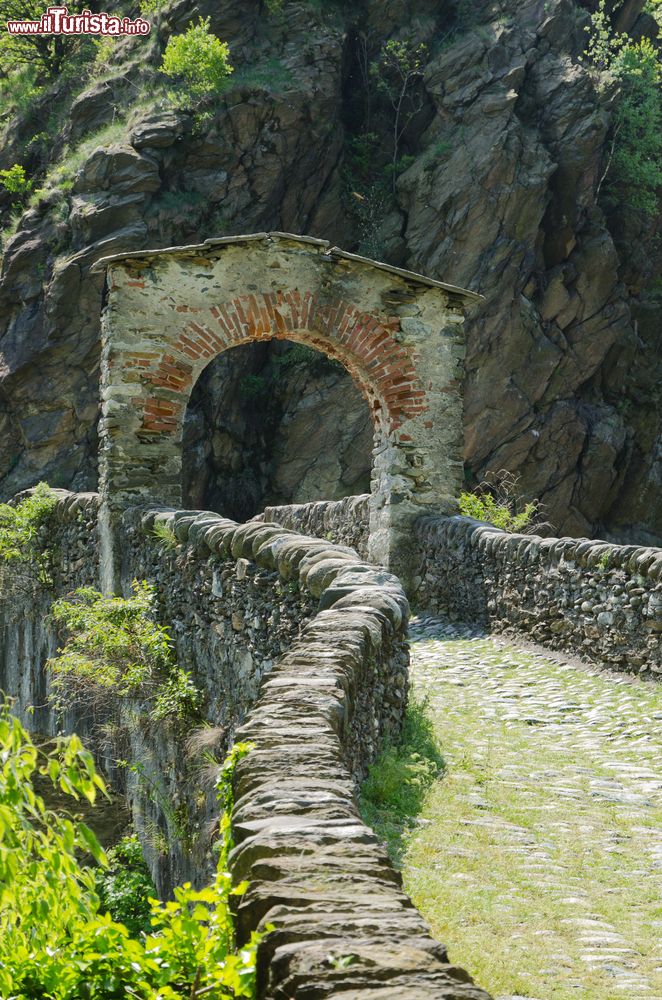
x=274, y=424
x=505, y=148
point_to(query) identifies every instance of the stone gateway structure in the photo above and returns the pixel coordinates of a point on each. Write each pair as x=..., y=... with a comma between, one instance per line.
x=168, y=313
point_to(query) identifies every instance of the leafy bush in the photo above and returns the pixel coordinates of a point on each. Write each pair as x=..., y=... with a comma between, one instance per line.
x=497, y=500
x=654, y=8
x=54, y=940
x=198, y=61
x=115, y=647
x=125, y=886
x=633, y=171
x=19, y=530
x=484, y=507
x=15, y=180
x=636, y=165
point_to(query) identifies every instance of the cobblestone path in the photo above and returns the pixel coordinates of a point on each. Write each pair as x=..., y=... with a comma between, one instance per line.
x=538, y=856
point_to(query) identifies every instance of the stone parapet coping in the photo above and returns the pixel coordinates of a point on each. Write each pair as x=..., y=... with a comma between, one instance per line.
x=639, y=559
x=68, y=504
x=343, y=927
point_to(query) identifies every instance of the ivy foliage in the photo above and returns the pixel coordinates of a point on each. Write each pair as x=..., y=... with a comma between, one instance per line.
x=20, y=525
x=55, y=941
x=115, y=647
x=633, y=172
x=198, y=63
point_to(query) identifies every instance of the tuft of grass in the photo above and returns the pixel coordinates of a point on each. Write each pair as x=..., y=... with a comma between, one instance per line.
x=392, y=795
x=165, y=535
x=62, y=175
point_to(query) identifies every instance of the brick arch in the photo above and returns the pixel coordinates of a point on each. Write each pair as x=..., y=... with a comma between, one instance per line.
x=381, y=368
x=169, y=313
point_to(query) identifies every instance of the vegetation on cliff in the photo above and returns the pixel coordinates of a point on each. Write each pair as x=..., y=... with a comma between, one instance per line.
x=115, y=648
x=633, y=172
x=511, y=165
x=21, y=525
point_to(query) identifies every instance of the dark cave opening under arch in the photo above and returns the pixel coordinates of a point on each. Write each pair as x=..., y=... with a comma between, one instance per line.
x=274, y=423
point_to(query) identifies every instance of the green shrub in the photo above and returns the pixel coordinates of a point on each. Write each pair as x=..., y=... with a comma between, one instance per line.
x=636, y=167
x=633, y=171
x=19, y=531
x=125, y=886
x=15, y=181
x=19, y=90
x=198, y=62
x=654, y=8
x=484, y=507
x=56, y=942
x=116, y=649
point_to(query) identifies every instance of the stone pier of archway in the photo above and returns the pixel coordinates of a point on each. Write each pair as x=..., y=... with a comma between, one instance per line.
x=169, y=313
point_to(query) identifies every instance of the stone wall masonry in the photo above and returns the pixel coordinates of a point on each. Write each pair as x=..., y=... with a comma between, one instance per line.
x=398, y=334
x=345, y=522
x=300, y=647
x=338, y=689
x=592, y=598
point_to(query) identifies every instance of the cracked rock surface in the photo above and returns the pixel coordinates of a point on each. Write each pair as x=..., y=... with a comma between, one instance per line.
x=500, y=196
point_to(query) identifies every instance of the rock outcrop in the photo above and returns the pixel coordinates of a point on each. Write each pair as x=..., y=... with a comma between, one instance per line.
x=509, y=150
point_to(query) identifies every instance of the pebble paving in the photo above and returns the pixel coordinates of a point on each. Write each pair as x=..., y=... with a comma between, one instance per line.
x=538, y=856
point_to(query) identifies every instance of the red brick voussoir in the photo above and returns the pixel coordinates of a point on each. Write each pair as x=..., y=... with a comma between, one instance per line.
x=381, y=367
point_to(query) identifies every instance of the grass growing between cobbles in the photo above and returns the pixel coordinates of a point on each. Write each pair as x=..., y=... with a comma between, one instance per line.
x=537, y=855
x=396, y=786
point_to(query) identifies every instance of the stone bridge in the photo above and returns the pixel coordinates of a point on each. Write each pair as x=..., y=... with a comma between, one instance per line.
x=294, y=625
x=299, y=646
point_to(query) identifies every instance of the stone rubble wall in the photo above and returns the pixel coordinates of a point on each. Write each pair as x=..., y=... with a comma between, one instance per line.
x=345, y=522
x=317, y=873
x=300, y=647
x=592, y=598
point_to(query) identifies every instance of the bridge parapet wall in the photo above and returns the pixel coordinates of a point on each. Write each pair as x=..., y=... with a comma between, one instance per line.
x=27, y=636
x=592, y=598
x=300, y=647
x=344, y=522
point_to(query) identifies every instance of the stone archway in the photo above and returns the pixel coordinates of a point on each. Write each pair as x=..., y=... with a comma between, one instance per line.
x=170, y=312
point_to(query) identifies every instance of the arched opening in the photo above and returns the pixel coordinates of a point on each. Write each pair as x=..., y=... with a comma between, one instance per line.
x=274, y=423
x=170, y=313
